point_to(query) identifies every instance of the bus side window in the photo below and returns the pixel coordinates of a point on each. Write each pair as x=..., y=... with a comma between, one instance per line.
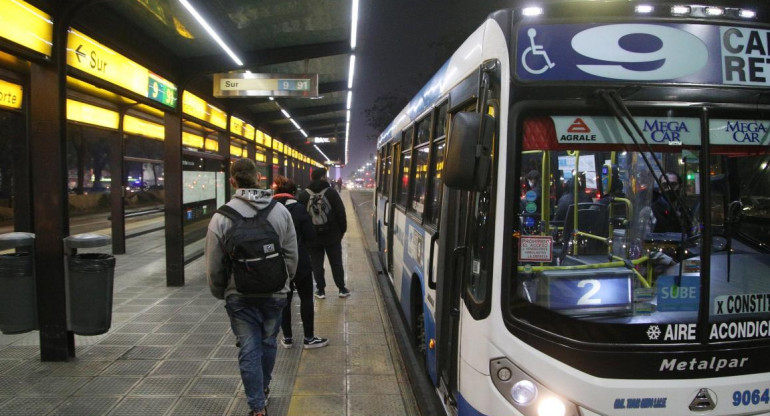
x=435, y=183
x=405, y=168
x=421, y=152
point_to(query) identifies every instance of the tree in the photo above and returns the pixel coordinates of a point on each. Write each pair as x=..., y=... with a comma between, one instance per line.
x=383, y=111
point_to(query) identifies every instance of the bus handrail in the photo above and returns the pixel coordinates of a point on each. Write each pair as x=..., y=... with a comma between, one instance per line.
x=629, y=264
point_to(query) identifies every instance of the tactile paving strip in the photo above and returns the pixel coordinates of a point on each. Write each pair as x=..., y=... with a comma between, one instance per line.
x=221, y=368
x=12, y=386
x=55, y=386
x=191, y=353
x=137, y=328
x=142, y=406
x=204, y=406
x=161, y=339
x=161, y=386
x=203, y=339
x=22, y=406
x=82, y=406
x=146, y=353
x=130, y=368
x=175, y=328
x=108, y=386
x=376, y=405
x=213, y=386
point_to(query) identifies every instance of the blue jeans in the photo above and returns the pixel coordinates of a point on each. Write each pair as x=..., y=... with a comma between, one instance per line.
x=255, y=322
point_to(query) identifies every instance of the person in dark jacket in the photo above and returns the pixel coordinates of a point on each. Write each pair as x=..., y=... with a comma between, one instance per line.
x=284, y=189
x=568, y=197
x=329, y=238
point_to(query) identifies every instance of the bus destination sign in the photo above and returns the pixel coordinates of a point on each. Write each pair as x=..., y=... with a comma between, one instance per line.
x=244, y=84
x=650, y=52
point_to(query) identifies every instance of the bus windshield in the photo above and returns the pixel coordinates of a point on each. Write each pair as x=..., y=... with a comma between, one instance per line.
x=641, y=240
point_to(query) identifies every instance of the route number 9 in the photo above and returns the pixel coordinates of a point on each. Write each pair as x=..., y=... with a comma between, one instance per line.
x=681, y=53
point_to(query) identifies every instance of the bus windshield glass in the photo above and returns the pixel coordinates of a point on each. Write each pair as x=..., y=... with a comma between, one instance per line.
x=639, y=239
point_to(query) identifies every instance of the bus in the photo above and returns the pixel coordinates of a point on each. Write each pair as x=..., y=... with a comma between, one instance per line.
x=574, y=212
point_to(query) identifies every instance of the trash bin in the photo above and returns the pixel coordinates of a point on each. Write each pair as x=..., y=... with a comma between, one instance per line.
x=18, y=303
x=90, y=278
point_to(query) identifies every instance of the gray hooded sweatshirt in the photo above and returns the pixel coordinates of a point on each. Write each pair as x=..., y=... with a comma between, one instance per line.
x=222, y=283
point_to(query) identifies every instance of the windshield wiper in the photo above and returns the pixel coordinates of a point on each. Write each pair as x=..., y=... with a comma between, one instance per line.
x=621, y=112
x=625, y=118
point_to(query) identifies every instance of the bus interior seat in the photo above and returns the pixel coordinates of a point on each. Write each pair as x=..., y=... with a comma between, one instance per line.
x=593, y=219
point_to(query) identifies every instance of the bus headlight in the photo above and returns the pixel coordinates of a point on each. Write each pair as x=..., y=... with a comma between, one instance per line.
x=525, y=393
x=551, y=406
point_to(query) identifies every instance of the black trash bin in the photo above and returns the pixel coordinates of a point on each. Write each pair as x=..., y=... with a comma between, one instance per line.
x=90, y=280
x=18, y=303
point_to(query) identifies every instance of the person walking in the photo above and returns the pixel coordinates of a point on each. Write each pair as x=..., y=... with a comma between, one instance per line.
x=329, y=219
x=255, y=318
x=303, y=280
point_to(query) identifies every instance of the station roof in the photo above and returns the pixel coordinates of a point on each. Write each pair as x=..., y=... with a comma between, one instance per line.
x=282, y=37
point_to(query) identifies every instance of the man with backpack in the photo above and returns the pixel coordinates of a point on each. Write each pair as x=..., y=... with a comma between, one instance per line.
x=327, y=212
x=251, y=255
x=303, y=281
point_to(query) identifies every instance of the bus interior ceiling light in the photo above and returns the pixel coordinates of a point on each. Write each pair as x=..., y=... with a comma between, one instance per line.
x=214, y=35
x=680, y=10
x=532, y=11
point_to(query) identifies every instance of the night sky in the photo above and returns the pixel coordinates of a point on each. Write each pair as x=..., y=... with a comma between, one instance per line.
x=400, y=45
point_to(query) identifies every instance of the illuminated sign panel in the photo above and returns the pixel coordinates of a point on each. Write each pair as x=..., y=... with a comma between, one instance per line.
x=99, y=61
x=236, y=150
x=144, y=128
x=26, y=25
x=10, y=95
x=197, y=107
x=321, y=140
x=212, y=144
x=265, y=85
x=91, y=114
x=241, y=128
x=192, y=140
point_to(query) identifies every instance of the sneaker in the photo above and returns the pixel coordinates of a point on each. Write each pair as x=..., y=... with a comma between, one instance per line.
x=344, y=293
x=320, y=294
x=262, y=412
x=287, y=343
x=316, y=342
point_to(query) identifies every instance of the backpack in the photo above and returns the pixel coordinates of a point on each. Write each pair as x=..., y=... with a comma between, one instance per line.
x=319, y=209
x=254, y=249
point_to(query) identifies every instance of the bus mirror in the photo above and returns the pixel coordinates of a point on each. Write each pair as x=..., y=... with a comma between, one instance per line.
x=467, y=161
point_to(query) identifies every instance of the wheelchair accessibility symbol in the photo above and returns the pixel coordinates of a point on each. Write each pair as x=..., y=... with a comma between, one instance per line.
x=538, y=51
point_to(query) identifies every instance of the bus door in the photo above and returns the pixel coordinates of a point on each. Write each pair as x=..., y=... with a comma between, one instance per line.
x=382, y=201
x=390, y=213
x=451, y=263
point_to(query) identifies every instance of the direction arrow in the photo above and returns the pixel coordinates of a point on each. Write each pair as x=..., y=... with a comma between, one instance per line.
x=79, y=53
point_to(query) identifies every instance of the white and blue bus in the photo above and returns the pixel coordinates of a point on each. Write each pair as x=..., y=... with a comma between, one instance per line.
x=574, y=213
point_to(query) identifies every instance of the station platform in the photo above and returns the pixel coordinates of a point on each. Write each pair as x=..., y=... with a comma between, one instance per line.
x=170, y=350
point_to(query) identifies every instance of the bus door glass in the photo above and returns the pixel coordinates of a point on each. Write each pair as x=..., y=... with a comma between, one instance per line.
x=738, y=215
